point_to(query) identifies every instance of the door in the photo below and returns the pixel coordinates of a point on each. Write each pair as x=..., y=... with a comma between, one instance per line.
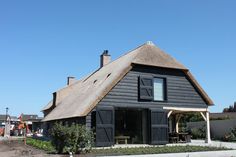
x=159, y=127
x=104, y=126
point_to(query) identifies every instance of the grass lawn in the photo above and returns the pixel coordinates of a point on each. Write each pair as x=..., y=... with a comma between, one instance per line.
x=46, y=145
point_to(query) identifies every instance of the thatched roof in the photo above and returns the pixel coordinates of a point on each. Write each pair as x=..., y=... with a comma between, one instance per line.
x=80, y=98
x=48, y=106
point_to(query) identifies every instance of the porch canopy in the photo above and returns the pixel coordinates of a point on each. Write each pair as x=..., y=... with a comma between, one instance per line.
x=178, y=110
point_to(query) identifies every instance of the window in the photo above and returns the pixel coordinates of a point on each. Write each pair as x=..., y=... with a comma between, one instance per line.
x=159, y=89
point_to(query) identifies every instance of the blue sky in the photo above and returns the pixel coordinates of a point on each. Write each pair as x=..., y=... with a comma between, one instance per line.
x=43, y=42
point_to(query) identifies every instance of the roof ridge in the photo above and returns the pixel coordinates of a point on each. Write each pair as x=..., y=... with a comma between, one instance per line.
x=130, y=51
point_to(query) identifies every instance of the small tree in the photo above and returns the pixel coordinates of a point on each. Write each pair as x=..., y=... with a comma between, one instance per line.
x=75, y=138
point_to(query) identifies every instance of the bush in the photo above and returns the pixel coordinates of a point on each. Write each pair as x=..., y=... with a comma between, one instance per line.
x=230, y=137
x=75, y=138
x=198, y=133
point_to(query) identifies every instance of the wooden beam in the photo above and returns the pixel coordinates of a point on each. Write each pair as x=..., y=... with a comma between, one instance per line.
x=169, y=113
x=178, y=116
x=203, y=116
x=185, y=109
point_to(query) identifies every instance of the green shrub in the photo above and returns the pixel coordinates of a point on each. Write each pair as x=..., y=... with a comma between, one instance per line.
x=230, y=137
x=44, y=145
x=198, y=133
x=75, y=138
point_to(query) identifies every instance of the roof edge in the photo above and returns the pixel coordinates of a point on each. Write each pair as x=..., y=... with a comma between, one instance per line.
x=184, y=69
x=199, y=88
x=93, y=105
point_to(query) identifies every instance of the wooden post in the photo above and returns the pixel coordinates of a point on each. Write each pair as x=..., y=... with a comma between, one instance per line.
x=177, y=118
x=170, y=124
x=208, y=134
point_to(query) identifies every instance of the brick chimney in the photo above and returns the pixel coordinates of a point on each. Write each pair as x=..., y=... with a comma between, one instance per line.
x=70, y=80
x=105, y=58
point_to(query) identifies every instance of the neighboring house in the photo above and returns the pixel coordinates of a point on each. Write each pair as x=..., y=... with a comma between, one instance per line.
x=13, y=121
x=33, y=121
x=138, y=97
x=3, y=119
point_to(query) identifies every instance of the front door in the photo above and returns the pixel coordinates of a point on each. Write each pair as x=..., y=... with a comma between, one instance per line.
x=104, y=126
x=159, y=126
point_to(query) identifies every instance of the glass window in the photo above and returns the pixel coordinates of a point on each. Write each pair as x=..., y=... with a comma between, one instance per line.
x=159, y=93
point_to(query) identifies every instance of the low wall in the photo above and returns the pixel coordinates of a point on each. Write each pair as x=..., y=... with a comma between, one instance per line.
x=218, y=127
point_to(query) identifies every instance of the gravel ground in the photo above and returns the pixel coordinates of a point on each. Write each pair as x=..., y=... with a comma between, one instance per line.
x=18, y=149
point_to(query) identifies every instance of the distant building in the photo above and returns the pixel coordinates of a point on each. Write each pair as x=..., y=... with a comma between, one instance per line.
x=33, y=121
x=3, y=119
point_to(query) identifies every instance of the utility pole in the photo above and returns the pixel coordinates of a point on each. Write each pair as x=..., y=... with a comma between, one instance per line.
x=6, y=113
x=7, y=125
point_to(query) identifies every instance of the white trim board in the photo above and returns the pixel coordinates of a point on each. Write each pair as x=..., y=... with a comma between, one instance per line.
x=186, y=109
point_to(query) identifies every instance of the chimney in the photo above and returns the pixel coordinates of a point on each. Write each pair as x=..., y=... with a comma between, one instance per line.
x=70, y=80
x=105, y=58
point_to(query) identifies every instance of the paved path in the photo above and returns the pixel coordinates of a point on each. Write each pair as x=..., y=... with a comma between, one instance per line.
x=228, y=153
x=229, y=145
x=231, y=153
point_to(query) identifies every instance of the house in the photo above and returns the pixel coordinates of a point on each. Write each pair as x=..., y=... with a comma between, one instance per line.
x=4, y=117
x=12, y=121
x=138, y=98
x=33, y=121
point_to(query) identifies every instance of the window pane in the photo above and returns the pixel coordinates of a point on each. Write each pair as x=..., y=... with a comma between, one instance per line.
x=158, y=89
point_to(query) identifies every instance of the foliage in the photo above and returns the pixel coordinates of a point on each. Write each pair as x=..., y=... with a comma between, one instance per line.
x=220, y=118
x=153, y=150
x=230, y=137
x=75, y=138
x=190, y=117
x=198, y=133
x=231, y=108
x=44, y=145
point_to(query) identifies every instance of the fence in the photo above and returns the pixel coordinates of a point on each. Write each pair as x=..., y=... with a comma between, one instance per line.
x=218, y=128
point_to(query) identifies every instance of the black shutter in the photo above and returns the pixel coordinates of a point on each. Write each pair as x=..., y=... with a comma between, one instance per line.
x=145, y=88
x=159, y=126
x=104, y=126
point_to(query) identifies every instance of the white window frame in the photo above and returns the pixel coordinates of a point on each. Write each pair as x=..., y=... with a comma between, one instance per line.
x=155, y=98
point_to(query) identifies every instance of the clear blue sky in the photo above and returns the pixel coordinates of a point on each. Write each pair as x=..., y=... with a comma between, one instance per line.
x=43, y=42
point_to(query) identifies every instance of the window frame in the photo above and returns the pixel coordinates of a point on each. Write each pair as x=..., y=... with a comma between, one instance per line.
x=164, y=89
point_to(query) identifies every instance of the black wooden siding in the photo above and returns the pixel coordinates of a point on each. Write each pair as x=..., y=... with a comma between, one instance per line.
x=88, y=120
x=180, y=92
